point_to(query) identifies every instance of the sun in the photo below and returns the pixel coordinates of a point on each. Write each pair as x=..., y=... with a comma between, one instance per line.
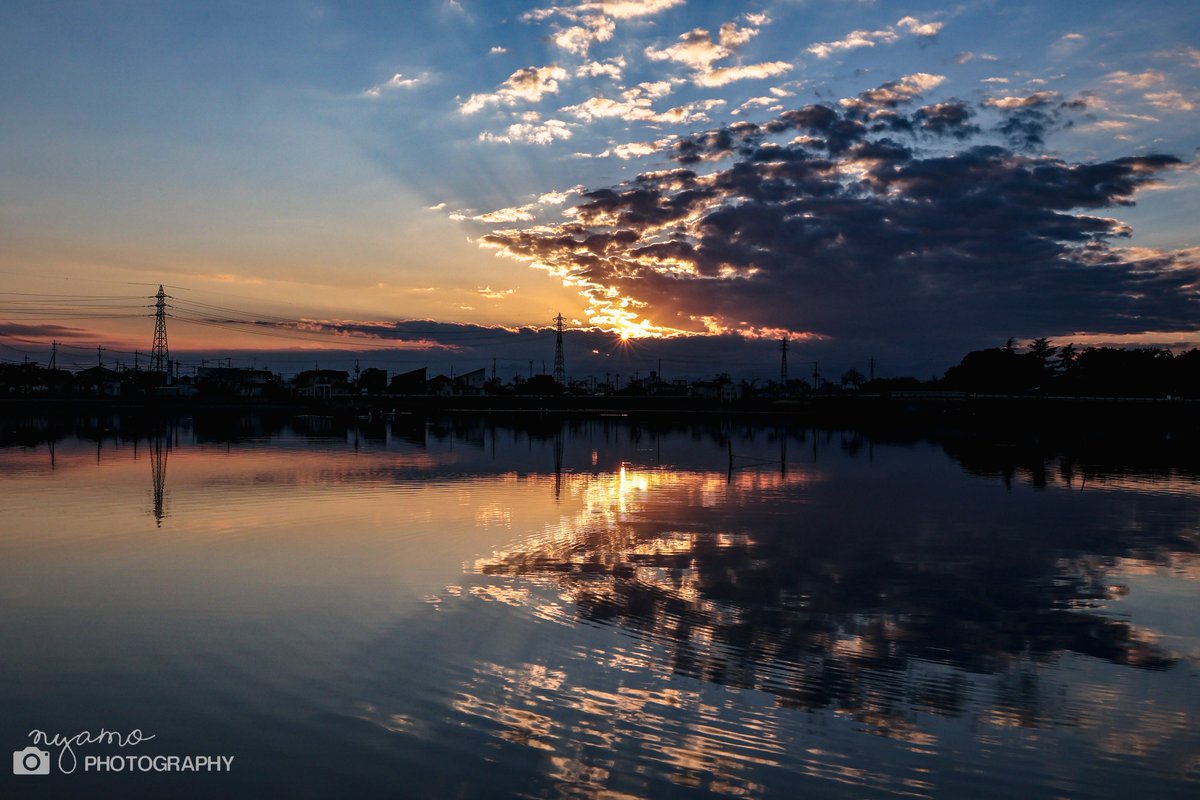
x=624, y=336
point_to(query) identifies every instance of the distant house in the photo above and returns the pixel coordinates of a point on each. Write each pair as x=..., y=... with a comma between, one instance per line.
x=98, y=381
x=724, y=391
x=322, y=384
x=411, y=382
x=373, y=381
x=441, y=386
x=229, y=381
x=32, y=379
x=471, y=383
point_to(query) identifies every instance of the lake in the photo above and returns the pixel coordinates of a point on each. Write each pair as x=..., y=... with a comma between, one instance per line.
x=608, y=607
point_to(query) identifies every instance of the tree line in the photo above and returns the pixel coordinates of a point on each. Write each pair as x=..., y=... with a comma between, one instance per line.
x=1043, y=368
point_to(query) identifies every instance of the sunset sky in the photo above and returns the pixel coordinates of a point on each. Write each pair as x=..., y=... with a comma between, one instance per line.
x=907, y=181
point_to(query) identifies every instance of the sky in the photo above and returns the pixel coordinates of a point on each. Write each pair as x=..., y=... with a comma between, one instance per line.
x=430, y=183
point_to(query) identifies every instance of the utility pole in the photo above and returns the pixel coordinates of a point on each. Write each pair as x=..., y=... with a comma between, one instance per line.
x=783, y=346
x=99, y=356
x=560, y=371
x=53, y=353
x=160, y=358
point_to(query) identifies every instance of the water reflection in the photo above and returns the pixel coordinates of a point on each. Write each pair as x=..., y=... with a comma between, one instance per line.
x=160, y=447
x=761, y=582
x=648, y=608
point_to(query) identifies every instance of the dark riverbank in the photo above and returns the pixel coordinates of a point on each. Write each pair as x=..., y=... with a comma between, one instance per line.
x=921, y=410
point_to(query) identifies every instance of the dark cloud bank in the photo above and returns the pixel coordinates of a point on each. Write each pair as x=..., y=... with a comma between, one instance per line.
x=878, y=226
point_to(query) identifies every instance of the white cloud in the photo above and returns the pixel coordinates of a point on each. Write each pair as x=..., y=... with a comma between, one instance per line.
x=864, y=38
x=731, y=36
x=918, y=28
x=516, y=214
x=397, y=81
x=629, y=9
x=630, y=150
x=1136, y=80
x=852, y=41
x=1067, y=44
x=697, y=50
x=612, y=67
x=994, y=80
x=497, y=50
x=493, y=294
x=530, y=133
x=1188, y=55
x=655, y=88
x=438, y=207
x=725, y=75
x=578, y=39
x=635, y=106
x=1171, y=100
x=769, y=102
x=530, y=84
x=1011, y=102
x=558, y=198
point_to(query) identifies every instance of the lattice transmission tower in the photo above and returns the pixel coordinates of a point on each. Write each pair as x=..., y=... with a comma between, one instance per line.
x=160, y=358
x=560, y=370
x=783, y=345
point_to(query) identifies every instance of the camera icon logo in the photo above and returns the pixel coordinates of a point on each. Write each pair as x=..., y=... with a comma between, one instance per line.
x=31, y=761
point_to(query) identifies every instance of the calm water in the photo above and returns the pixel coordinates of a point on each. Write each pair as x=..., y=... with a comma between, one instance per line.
x=600, y=609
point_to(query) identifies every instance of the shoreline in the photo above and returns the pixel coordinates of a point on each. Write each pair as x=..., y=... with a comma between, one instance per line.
x=907, y=409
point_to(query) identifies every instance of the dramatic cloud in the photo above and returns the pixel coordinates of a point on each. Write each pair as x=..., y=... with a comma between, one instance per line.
x=1027, y=119
x=528, y=85
x=830, y=221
